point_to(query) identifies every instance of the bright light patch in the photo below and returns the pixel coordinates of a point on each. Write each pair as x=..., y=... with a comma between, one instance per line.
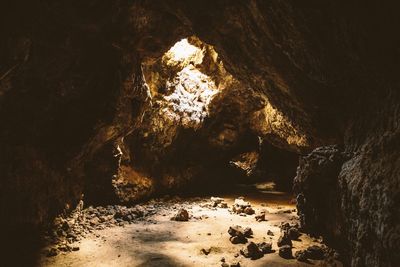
x=183, y=53
x=182, y=50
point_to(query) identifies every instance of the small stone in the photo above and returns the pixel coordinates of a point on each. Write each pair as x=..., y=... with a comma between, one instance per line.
x=181, y=216
x=285, y=252
x=301, y=255
x=315, y=252
x=265, y=247
x=238, y=231
x=270, y=233
x=293, y=233
x=52, y=252
x=75, y=248
x=235, y=264
x=223, y=205
x=248, y=232
x=249, y=211
x=238, y=239
x=260, y=217
x=224, y=264
x=206, y=251
x=252, y=251
x=284, y=240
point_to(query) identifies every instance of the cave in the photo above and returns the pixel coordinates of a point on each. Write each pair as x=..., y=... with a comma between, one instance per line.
x=199, y=133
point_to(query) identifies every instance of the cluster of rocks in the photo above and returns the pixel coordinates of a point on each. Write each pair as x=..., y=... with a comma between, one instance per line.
x=233, y=264
x=288, y=233
x=218, y=202
x=256, y=250
x=242, y=207
x=239, y=234
x=68, y=229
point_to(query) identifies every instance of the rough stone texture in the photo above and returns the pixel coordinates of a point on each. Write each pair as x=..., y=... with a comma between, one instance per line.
x=317, y=174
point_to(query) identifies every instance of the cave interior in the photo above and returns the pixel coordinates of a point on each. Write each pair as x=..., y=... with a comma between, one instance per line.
x=157, y=133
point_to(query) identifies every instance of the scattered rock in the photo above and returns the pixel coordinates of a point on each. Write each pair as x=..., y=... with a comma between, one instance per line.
x=241, y=206
x=284, y=240
x=315, y=252
x=312, y=252
x=249, y=211
x=293, y=233
x=224, y=264
x=301, y=255
x=235, y=264
x=206, y=251
x=239, y=235
x=223, y=205
x=265, y=247
x=285, y=252
x=260, y=217
x=181, y=216
x=52, y=252
x=215, y=201
x=252, y=251
x=270, y=233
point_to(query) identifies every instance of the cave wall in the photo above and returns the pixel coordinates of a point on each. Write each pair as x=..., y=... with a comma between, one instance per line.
x=71, y=82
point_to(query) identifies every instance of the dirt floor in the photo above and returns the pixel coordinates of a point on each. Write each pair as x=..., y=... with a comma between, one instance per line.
x=159, y=241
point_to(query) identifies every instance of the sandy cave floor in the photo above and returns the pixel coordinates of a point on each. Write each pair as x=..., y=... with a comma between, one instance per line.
x=159, y=241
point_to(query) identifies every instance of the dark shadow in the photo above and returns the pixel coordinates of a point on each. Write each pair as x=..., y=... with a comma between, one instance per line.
x=20, y=246
x=157, y=260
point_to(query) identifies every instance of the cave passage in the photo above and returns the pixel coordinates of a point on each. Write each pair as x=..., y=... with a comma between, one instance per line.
x=207, y=167
x=199, y=133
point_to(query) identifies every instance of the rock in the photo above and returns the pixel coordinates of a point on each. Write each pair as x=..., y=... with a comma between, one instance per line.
x=312, y=252
x=181, y=216
x=293, y=233
x=224, y=264
x=240, y=206
x=75, y=248
x=248, y=232
x=249, y=211
x=283, y=240
x=216, y=200
x=265, y=247
x=270, y=233
x=223, y=205
x=315, y=252
x=235, y=264
x=285, y=252
x=239, y=235
x=238, y=231
x=206, y=251
x=52, y=252
x=252, y=251
x=260, y=217
x=301, y=255
x=238, y=239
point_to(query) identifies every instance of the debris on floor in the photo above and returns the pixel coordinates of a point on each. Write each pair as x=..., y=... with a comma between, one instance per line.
x=261, y=216
x=285, y=252
x=181, y=216
x=240, y=206
x=218, y=202
x=256, y=251
x=239, y=234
